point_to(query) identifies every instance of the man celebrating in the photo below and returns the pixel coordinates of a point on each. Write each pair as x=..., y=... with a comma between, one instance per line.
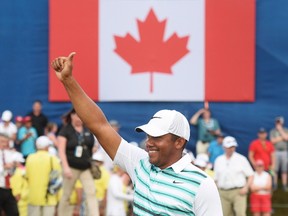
x=165, y=183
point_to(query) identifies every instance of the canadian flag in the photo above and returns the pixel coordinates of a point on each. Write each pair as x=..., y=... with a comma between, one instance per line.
x=160, y=50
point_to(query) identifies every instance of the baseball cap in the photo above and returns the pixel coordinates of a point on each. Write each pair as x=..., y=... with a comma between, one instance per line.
x=279, y=119
x=43, y=142
x=200, y=163
x=27, y=119
x=203, y=156
x=18, y=157
x=262, y=130
x=18, y=119
x=167, y=121
x=98, y=156
x=259, y=162
x=229, y=141
x=6, y=115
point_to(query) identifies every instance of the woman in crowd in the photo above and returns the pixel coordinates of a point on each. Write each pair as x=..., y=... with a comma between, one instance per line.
x=75, y=143
x=260, y=198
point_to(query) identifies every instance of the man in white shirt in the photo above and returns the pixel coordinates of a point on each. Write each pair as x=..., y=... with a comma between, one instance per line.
x=7, y=158
x=233, y=175
x=8, y=127
x=165, y=183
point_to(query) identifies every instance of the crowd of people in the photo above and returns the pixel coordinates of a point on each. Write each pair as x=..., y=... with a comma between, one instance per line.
x=219, y=179
x=35, y=146
x=32, y=149
x=236, y=175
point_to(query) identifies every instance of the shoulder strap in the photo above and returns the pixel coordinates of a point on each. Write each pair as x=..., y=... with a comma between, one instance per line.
x=51, y=163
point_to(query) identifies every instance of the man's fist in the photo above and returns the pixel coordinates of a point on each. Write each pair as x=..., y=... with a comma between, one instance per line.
x=63, y=66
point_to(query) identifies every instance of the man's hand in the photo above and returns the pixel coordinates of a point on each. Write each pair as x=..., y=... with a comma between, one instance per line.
x=63, y=66
x=243, y=191
x=68, y=173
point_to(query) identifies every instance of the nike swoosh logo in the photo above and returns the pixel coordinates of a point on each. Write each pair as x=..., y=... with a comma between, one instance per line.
x=177, y=182
x=156, y=117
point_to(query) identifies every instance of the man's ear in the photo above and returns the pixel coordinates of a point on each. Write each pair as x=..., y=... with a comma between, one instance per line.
x=179, y=143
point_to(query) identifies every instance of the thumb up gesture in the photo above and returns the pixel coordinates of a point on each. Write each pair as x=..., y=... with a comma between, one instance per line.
x=63, y=66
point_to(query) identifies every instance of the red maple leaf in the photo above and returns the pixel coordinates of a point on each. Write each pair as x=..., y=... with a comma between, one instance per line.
x=151, y=54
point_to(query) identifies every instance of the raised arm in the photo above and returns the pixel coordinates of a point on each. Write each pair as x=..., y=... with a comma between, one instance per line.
x=87, y=110
x=196, y=116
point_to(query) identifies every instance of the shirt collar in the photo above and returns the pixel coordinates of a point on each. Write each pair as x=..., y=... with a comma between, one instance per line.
x=178, y=166
x=182, y=163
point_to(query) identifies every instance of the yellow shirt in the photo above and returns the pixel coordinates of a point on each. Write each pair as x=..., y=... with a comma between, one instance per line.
x=19, y=186
x=38, y=167
x=102, y=183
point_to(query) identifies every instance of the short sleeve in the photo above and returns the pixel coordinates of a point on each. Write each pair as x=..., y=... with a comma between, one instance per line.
x=247, y=169
x=207, y=200
x=252, y=147
x=63, y=131
x=272, y=134
x=217, y=126
x=128, y=157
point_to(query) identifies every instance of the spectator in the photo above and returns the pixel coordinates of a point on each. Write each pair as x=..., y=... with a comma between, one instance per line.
x=8, y=202
x=108, y=163
x=115, y=196
x=102, y=183
x=127, y=189
x=233, y=175
x=27, y=136
x=279, y=137
x=19, y=185
x=8, y=127
x=202, y=162
x=19, y=124
x=75, y=200
x=161, y=175
x=208, y=128
x=39, y=120
x=50, y=131
x=215, y=148
x=261, y=184
x=75, y=143
x=38, y=168
x=262, y=149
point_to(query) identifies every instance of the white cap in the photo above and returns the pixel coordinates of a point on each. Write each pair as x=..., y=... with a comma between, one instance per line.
x=200, y=162
x=167, y=121
x=203, y=156
x=18, y=157
x=7, y=115
x=98, y=156
x=229, y=141
x=43, y=142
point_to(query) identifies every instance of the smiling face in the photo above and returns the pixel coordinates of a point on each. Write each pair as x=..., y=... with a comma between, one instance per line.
x=164, y=150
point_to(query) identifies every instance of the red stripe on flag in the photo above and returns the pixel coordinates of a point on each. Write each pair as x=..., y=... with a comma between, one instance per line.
x=230, y=50
x=73, y=26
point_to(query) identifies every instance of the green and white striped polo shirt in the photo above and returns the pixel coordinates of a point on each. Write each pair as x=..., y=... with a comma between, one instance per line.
x=181, y=189
x=165, y=192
